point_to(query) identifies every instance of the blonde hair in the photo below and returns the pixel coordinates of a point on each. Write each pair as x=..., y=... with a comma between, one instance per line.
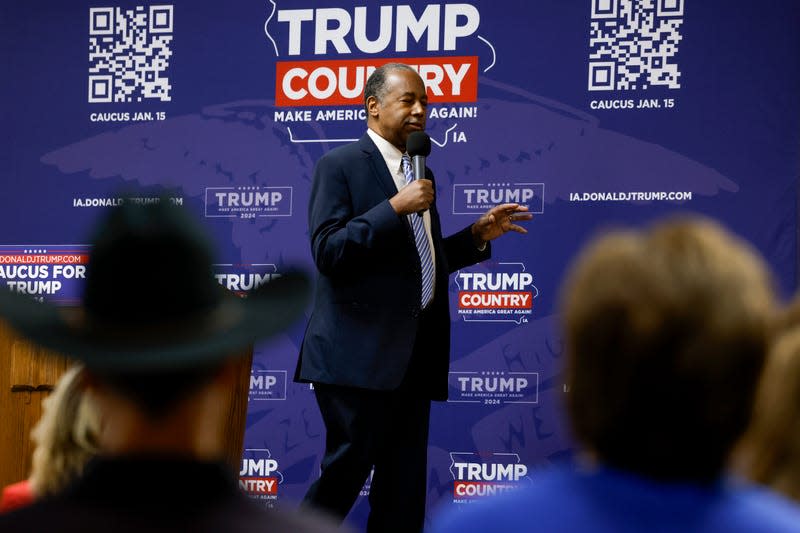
x=770, y=451
x=66, y=435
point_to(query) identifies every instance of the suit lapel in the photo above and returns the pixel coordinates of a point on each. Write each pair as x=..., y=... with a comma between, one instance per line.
x=379, y=168
x=381, y=173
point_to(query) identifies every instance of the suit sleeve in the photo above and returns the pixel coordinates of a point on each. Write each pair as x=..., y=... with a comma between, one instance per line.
x=461, y=252
x=346, y=231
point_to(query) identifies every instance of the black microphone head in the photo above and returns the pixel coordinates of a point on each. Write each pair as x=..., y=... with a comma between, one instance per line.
x=418, y=143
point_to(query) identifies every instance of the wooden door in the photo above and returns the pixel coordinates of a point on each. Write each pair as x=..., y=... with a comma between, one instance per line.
x=27, y=375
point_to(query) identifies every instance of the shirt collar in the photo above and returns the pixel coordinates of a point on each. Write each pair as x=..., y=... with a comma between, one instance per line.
x=390, y=153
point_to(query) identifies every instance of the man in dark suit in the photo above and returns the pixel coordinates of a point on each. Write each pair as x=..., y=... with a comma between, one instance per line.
x=377, y=344
x=157, y=336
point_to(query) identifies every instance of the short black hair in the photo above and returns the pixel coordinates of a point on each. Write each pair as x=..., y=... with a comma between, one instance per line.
x=376, y=83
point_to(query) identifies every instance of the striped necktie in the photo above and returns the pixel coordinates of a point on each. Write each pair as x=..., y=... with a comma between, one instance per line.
x=421, y=238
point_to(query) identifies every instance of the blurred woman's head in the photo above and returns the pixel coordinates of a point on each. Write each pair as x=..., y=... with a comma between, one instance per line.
x=66, y=436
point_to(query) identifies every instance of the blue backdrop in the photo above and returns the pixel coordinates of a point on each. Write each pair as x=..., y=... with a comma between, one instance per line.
x=593, y=113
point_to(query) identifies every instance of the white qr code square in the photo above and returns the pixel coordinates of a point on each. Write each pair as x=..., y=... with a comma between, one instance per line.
x=633, y=44
x=129, y=53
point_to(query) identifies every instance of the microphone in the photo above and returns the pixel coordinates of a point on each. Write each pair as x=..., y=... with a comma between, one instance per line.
x=418, y=146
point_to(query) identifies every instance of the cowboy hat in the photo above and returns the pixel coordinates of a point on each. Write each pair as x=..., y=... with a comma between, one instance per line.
x=151, y=302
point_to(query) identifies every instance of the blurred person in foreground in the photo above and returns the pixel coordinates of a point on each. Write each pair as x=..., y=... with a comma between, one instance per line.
x=65, y=438
x=157, y=336
x=666, y=332
x=770, y=451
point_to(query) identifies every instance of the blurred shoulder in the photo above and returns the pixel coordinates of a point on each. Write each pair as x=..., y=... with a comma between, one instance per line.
x=753, y=508
x=525, y=508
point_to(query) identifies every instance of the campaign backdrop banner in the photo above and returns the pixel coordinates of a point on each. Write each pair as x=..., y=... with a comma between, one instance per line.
x=593, y=113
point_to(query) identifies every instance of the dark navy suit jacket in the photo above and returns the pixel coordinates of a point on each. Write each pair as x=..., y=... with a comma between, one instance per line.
x=367, y=301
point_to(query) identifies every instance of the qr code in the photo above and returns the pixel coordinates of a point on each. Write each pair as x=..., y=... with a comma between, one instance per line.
x=129, y=53
x=633, y=44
